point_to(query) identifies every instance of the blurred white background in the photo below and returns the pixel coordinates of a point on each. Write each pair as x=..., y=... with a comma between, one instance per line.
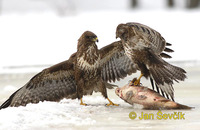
x=35, y=34
x=45, y=32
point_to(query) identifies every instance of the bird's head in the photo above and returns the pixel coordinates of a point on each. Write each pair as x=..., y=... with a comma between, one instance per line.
x=122, y=31
x=88, y=37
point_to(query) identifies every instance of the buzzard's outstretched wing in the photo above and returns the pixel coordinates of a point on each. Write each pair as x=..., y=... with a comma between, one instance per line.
x=153, y=39
x=114, y=62
x=52, y=84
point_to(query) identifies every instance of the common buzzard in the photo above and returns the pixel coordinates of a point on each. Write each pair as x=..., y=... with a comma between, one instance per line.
x=145, y=46
x=87, y=70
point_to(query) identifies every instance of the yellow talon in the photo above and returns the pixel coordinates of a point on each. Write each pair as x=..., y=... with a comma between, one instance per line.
x=137, y=81
x=84, y=104
x=111, y=103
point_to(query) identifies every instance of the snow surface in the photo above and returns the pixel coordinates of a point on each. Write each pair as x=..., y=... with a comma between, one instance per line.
x=68, y=114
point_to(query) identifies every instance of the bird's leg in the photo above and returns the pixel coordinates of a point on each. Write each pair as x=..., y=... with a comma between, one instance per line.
x=82, y=103
x=104, y=93
x=137, y=81
x=111, y=103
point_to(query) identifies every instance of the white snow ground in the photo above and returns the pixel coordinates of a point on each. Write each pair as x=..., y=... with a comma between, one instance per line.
x=68, y=114
x=33, y=39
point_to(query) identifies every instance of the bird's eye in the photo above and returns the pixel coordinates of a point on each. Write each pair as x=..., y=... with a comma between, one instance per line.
x=90, y=37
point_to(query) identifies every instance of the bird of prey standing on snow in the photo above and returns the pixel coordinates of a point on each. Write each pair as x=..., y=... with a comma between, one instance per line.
x=87, y=70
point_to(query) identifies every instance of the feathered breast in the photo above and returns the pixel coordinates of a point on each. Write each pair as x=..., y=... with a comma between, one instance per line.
x=89, y=60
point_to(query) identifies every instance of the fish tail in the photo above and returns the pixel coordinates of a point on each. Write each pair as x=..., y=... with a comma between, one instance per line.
x=180, y=106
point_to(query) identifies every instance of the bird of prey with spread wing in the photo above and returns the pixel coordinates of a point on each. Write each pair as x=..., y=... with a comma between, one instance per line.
x=87, y=70
x=145, y=47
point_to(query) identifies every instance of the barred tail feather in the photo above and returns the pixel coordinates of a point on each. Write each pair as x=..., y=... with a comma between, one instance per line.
x=164, y=75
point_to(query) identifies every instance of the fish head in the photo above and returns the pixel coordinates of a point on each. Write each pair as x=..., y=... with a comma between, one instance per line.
x=126, y=93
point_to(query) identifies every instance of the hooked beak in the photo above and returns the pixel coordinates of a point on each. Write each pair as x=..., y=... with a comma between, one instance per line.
x=95, y=39
x=117, y=35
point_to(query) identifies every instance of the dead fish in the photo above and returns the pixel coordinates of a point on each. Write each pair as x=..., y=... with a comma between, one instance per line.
x=148, y=98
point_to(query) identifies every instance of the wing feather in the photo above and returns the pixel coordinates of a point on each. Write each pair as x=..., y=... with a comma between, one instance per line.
x=153, y=38
x=52, y=84
x=115, y=64
x=164, y=74
x=107, y=72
